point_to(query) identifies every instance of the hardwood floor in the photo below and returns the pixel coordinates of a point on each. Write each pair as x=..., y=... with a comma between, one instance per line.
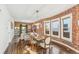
x=26, y=47
x=19, y=48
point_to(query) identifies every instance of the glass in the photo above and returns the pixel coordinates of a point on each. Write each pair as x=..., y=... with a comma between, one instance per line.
x=55, y=25
x=66, y=27
x=47, y=27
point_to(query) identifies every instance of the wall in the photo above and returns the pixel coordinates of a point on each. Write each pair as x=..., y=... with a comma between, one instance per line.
x=17, y=24
x=75, y=28
x=6, y=33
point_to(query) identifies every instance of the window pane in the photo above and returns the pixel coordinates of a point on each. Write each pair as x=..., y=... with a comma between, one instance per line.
x=55, y=27
x=66, y=27
x=47, y=27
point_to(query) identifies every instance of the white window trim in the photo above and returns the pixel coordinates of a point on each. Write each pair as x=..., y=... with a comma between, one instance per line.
x=57, y=19
x=44, y=28
x=69, y=39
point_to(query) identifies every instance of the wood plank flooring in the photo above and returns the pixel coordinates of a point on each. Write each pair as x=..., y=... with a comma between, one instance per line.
x=18, y=47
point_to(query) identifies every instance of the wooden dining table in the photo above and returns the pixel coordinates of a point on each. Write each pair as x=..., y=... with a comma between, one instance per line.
x=27, y=50
x=38, y=40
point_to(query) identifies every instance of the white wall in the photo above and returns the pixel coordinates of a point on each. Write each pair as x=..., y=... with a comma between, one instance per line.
x=6, y=33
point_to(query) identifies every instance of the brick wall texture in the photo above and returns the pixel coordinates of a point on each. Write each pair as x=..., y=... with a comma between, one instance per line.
x=75, y=27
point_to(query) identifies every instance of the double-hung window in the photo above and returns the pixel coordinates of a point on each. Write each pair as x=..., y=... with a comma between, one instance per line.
x=66, y=27
x=55, y=27
x=47, y=28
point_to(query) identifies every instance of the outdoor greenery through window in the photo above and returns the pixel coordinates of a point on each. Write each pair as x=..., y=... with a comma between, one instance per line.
x=47, y=27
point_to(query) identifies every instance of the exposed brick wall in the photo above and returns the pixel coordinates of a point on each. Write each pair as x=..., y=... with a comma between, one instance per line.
x=75, y=28
x=41, y=28
x=40, y=31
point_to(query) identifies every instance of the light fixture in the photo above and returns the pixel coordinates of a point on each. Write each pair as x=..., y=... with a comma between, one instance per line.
x=37, y=11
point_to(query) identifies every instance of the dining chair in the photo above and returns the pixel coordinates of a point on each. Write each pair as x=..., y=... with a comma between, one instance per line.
x=46, y=44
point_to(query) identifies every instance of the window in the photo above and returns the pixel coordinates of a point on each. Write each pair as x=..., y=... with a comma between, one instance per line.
x=67, y=27
x=23, y=29
x=47, y=28
x=55, y=27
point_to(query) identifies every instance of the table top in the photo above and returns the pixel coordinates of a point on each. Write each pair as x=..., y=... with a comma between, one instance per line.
x=28, y=50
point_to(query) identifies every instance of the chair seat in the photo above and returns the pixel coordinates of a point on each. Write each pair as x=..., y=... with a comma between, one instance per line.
x=34, y=42
x=43, y=45
x=47, y=46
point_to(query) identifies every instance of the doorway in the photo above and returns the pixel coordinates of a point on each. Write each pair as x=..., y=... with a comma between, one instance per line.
x=23, y=28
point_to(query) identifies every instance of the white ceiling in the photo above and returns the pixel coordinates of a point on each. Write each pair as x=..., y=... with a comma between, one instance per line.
x=27, y=12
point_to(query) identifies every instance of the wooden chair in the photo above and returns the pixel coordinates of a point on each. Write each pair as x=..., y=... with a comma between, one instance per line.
x=20, y=46
x=46, y=44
